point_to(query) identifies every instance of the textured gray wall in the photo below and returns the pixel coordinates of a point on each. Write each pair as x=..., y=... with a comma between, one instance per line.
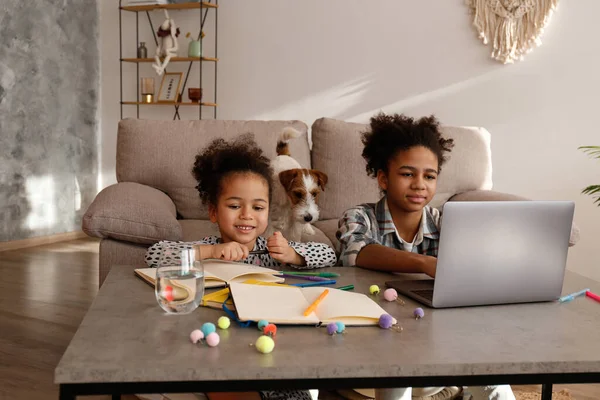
x=49, y=84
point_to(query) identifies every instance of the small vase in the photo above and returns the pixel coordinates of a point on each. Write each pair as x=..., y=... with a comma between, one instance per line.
x=142, y=51
x=194, y=49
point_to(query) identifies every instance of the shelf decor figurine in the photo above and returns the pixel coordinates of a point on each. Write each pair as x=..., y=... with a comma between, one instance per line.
x=195, y=46
x=142, y=51
x=167, y=45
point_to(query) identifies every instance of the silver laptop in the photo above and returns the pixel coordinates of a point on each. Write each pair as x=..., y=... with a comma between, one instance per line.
x=497, y=252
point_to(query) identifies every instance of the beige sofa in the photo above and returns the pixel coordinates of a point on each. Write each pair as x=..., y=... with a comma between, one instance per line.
x=155, y=197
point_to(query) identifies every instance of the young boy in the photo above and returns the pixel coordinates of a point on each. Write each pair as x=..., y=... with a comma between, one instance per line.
x=400, y=233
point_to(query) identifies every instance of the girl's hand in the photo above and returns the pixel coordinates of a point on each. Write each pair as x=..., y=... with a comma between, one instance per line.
x=281, y=251
x=232, y=251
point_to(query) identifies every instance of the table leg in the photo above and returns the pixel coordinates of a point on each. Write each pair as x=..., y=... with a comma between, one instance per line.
x=547, y=391
x=116, y=397
x=65, y=394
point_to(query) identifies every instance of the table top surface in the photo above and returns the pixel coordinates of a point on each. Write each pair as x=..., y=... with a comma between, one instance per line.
x=126, y=337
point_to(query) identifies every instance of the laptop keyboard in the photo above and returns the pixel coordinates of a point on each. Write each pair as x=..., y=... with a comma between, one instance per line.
x=425, y=293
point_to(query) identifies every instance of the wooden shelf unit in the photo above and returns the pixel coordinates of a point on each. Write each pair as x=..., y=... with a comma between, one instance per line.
x=204, y=8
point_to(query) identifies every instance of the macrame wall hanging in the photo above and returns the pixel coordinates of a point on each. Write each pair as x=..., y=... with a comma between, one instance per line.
x=513, y=27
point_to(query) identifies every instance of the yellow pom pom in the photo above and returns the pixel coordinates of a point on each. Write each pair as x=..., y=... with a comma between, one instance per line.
x=374, y=289
x=223, y=322
x=265, y=344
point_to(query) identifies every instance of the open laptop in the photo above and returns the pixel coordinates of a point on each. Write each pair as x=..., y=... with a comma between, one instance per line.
x=497, y=252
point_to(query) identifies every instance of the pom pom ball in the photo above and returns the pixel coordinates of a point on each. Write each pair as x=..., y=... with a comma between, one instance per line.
x=196, y=336
x=331, y=328
x=418, y=313
x=265, y=344
x=223, y=322
x=390, y=294
x=340, y=327
x=208, y=328
x=386, y=321
x=270, y=330
x=262, y=323
x=374, y=289
x=213, y=339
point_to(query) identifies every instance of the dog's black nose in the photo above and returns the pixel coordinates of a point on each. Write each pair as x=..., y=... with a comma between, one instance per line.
x=308, y=218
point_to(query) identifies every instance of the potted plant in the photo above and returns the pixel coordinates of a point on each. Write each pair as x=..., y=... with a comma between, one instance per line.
x=593, y=190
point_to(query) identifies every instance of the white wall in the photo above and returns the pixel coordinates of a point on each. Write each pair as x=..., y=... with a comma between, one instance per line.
x=346, y=59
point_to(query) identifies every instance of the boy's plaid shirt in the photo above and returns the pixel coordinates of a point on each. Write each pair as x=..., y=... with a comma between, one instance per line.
x=372, y=223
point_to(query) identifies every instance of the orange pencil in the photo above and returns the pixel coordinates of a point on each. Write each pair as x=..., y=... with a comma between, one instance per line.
x=314, y=305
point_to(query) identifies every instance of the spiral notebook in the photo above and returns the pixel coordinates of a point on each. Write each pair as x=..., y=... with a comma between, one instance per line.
x=286, y=305
x=219, y=273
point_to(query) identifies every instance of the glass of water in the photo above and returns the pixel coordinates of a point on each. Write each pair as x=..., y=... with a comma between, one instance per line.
x=179, y=279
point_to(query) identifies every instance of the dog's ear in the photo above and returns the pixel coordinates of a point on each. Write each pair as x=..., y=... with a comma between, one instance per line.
x=287, y=177
x=321, y=178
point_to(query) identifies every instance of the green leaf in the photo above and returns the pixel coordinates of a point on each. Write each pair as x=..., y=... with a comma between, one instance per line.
x=593, y=151
x=591, y=189
x=595, y=191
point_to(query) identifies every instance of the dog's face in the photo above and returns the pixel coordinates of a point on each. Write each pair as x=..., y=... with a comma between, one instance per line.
x=303, y=187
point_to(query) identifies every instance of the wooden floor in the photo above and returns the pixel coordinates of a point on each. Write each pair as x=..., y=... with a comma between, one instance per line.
x=45, y=292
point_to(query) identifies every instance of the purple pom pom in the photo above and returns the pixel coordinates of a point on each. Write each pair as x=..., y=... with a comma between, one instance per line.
x=386, y=321
x=418, y=313
x=331, y=328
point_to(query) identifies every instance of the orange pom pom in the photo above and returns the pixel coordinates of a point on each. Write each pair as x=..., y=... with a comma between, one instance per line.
x=270, y=330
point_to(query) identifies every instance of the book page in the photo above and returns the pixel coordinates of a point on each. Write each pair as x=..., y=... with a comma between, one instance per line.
x=228, y=271
x=348, y=307
x=278, y=305
x=149, y=275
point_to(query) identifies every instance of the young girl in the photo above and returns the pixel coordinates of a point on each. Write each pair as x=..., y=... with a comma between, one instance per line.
x=234, y=181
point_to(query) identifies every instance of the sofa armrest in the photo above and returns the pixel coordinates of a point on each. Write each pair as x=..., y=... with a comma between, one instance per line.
x=490, y=195
x=134, y=213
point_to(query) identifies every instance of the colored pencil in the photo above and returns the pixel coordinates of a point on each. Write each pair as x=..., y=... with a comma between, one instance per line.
x=321, y=274
x=314, y=305
x=592, y=296
x=305, y=277
x=309, y=284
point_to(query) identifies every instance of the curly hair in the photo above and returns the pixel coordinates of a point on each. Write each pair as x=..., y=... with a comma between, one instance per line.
x=221, y=159
x=390, y=134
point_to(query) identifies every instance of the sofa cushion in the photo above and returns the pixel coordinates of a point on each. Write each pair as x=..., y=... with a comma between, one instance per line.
x=197, y=229
x=337, y=150
x=133, y=213
x=161, y=154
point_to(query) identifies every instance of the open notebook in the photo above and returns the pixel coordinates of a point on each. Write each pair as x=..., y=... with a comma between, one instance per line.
x=286, y=305
x=219, y=273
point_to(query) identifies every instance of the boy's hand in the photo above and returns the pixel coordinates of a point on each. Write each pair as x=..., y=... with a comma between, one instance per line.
x=232, y=251
x=280, y=250
x=429, y=266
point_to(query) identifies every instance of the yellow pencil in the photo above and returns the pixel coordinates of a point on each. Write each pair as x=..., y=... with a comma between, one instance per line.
x=314, y=305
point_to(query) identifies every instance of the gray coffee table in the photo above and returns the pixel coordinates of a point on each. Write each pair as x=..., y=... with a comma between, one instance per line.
x=126, y=344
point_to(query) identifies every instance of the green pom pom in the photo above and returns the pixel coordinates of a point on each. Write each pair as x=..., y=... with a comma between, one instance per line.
x=223, y=322
x=265, y=344
x=374, y=289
